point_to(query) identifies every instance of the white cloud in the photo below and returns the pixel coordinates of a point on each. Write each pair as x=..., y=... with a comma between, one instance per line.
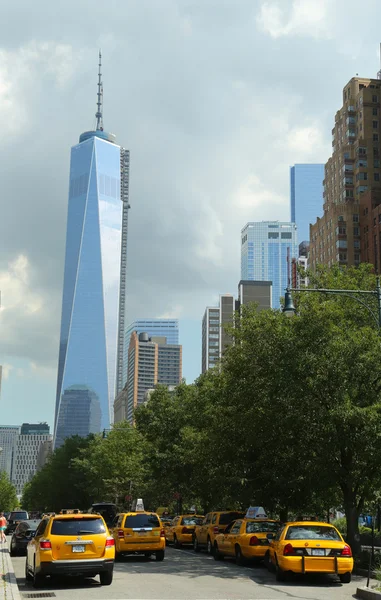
x=305, y=18
x=6, y=369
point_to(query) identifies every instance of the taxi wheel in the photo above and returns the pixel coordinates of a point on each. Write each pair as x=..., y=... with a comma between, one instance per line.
x=176, y=542
x=106, y=577
x=267, y=561
x=38, y=579
x=346, y=578
x=28, y=576
x=239, y=558
x=196, y=547
x=159, y=555
x=12, y=550
x=209, y=546
x=147, y=555
x=280, y=575
x=216, y=554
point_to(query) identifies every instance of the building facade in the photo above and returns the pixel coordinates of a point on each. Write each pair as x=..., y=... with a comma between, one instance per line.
x=214, y=337
x=8, y=442
x=258, y=292
x=306, y=196
x=267, y=249
x=170, y=368
x=29, y=442
x=168, y=328
x=91, y=353
x=352, y=170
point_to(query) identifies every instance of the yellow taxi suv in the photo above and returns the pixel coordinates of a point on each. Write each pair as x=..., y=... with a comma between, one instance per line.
x=71, y=544
x=245, y=539
x=182, y=529
x=139, y=533
x=213, y=524
x=309, y=547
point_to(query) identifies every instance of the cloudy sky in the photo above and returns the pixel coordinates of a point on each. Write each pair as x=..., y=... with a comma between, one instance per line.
x=215, y=100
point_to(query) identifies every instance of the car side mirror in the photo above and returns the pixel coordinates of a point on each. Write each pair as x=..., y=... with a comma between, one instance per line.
x=270, y=536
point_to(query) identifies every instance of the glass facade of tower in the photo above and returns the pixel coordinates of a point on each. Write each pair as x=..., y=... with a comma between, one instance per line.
x=306, y=195
x=265, y=247
x=168, y=328
x=91, y=305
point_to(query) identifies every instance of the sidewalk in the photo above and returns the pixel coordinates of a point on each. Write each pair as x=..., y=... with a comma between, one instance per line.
x=8, y=585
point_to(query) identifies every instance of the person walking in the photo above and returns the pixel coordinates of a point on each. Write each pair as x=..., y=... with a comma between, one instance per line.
x=3, y=526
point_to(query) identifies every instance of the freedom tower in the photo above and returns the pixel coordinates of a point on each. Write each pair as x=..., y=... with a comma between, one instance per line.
x=90, y=364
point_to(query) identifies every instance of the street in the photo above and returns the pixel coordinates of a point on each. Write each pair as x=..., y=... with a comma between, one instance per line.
x=186, y=575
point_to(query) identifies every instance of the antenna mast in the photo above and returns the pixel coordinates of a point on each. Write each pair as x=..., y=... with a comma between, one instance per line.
x=379, y=72
x=98, y=114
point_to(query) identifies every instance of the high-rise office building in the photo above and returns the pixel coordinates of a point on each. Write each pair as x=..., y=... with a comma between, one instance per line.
x=8, y=444
x=29, y=442
x=151, y=362
x=267, y=249
x=168, y=328
x=215, y=339
x=90, y=367
x=306, y=191
x=351, y=172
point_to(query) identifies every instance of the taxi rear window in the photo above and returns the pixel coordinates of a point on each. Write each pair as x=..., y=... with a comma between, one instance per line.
x=226, y=518
x=312, y=532
x=18, y=515
x=192, y=520
x=141, y=521
x=77, y=526
x=253, y=527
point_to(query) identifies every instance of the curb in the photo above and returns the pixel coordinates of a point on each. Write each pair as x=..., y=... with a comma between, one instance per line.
x=368, y=594
x=8, y=586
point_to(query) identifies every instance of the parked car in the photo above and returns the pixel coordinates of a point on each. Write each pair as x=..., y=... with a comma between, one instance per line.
x=213, y=524
x=22, y=535
x=245, y=539
x=14, y=519
x=139, y=532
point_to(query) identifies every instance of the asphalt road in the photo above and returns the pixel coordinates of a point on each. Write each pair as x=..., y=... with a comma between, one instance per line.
x=188, y=576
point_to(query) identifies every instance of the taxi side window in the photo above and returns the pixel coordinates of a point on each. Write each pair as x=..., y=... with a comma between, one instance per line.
x=207, y=519
x=237, y=527
x=41, y=528
x=175, y=521
x=229, y=527
x=214, y=520
x=279, y=533
x=115, y=521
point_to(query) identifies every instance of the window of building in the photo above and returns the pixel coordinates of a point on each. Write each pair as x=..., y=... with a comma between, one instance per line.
x=375, y=112
x=362, y=162
x=286, y=235
x=376, y=177
x=375, y=124
x=361, y=150
x=375, y=137
x=356, y=244
x=376, y=152
x=347, y=155
x=374, y=98
x=357, y=257
x=341, y=244
x=361, y=188
x=356, y=231
x=361, y=176
x=341, y=230
x=348, y=181
x=273, y=235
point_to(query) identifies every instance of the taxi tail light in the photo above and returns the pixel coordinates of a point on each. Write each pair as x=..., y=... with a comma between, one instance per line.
x=346, y=551
x=216, y=530
x=288, y=550
x=162, y=533
x=254, y=541
x=110, y=541
x=120, y=533
x=45, y=545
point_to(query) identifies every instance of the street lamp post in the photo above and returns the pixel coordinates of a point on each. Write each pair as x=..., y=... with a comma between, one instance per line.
x=289, y=308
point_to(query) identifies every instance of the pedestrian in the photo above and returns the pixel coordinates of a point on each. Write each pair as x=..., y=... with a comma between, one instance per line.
x=3, y=526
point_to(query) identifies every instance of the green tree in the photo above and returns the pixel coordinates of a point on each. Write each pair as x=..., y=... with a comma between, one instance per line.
x=8, y=497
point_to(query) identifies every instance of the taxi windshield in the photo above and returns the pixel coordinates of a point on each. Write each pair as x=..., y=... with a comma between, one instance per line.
x=312, y=532
x=77, y=526
x=257, y=527
x=192, y=520
x=141, y=521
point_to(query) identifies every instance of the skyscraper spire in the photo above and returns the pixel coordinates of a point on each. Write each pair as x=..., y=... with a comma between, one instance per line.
x=98, y=114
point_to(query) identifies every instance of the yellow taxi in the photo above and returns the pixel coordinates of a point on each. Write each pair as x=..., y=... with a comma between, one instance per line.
x=213, y=524
x=182, y=529
x=71, y=544
x=309, y=547
x=245, y=539
x=139, y=532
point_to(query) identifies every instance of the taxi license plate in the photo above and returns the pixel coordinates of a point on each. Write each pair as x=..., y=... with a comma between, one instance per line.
x=142, y=533
x=317, y=552
x=78, y=548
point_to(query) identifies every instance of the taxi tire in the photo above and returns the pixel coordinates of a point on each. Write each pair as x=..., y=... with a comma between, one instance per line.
x=239, y=558
x=209, y=547
x=280, y=575
x=28, y=576
x=38, y=579
x=267, y=562
x=346, y=577
x=160, y=555
x=12, y=550
x=106, y=577
x=196, y=546
x=216, y=554
x=176, y=542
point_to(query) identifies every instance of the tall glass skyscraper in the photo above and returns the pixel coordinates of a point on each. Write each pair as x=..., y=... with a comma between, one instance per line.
x=306, y=187
x=93, y=305
x=267, y=249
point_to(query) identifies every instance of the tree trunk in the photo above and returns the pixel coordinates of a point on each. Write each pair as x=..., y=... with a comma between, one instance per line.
x=352, y=516
x=283, y=514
